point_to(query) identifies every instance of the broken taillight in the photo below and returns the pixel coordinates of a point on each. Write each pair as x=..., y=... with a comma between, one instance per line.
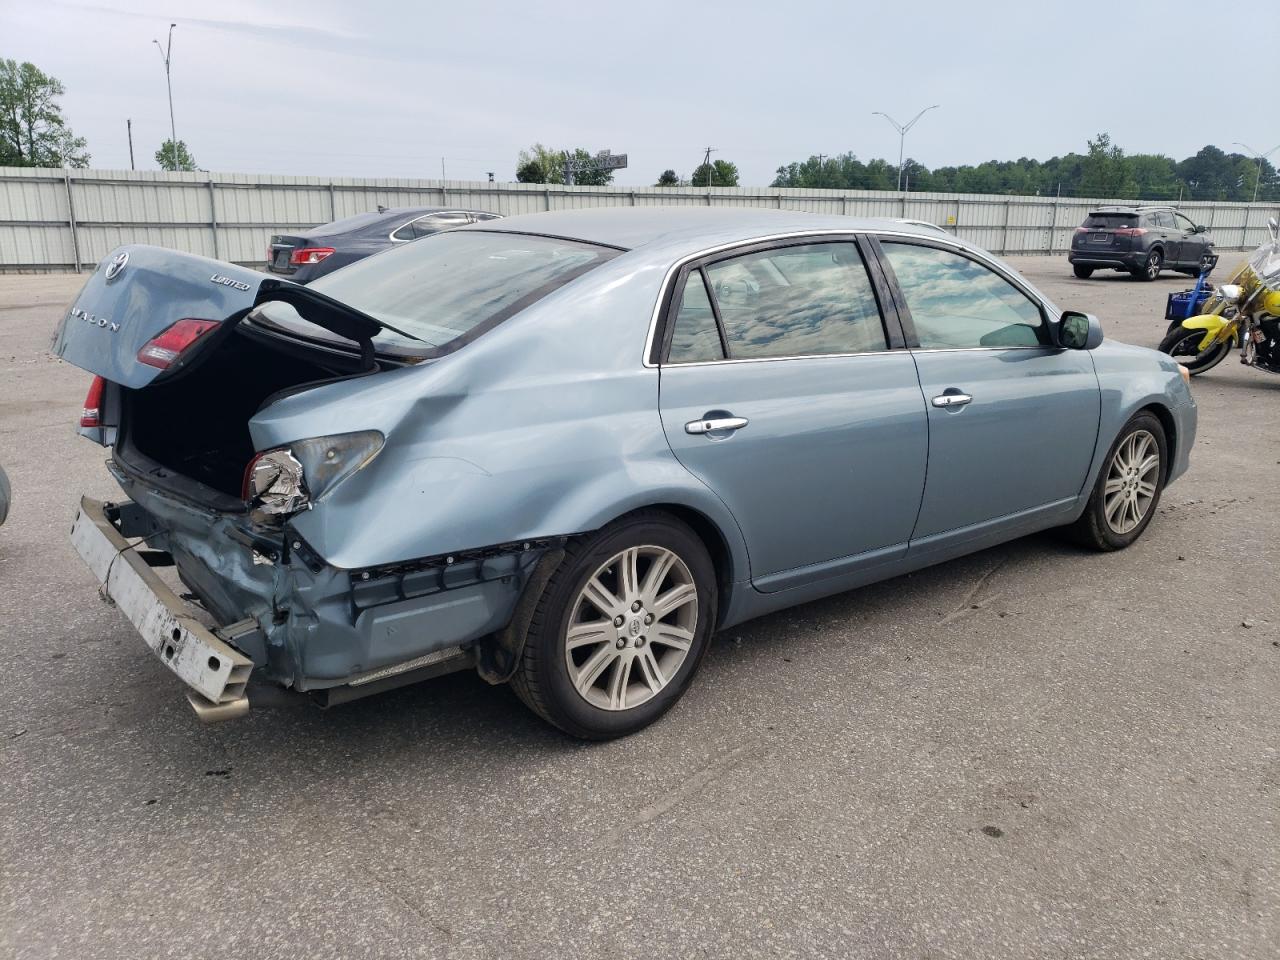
x=284, y=480
x=162, y=350
x=305, y=255
x=91, y=415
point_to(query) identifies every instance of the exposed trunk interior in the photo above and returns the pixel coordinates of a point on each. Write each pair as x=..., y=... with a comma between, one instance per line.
x=197, y=424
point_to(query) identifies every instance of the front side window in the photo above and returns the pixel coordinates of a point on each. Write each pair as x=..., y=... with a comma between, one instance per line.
x=802, y=300
x=956, y=302
x=1184, y=224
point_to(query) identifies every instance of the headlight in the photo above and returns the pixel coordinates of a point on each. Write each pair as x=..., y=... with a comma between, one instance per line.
x=1229, y=292
x=286, y=479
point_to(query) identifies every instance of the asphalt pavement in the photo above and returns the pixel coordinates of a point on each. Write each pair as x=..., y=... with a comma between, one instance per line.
x=1034, y=751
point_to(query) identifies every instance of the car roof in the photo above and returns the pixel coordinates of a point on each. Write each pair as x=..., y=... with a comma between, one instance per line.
x=630, y=228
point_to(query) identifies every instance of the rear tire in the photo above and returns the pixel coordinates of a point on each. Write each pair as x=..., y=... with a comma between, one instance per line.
x=1180, y=342
x=604, y=657
x=1127, y=491
x=1151, y=268
x=1083, y=273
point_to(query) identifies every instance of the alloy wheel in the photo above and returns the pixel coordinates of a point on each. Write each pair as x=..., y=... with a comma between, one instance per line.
x=1153, y=265
x=1131, y=481
x=631, y=628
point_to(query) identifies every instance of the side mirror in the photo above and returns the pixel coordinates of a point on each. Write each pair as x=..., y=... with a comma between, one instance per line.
x=1200, y=228
x=1079, y=331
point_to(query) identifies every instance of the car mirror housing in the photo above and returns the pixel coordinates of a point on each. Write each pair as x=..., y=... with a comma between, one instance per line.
x=1079, y=331
x=1200, y=228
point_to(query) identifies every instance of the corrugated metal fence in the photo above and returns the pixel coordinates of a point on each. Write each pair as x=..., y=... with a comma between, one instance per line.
x=64, y=219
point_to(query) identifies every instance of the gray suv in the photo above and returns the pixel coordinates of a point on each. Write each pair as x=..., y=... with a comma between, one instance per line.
x=1141, y=240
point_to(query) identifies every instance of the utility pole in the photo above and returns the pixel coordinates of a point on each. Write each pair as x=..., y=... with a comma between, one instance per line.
x=706, y=162
x=1261, y=156
x=902, y=129
x=166, y=56
x=129, y=126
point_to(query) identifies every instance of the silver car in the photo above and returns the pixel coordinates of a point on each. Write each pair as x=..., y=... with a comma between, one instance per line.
x=564, y=449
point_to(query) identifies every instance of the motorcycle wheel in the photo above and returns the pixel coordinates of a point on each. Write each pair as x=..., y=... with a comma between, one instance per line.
x=1182, y=345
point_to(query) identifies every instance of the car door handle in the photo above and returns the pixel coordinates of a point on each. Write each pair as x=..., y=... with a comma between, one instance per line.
x=951, y=400
x=716, y=425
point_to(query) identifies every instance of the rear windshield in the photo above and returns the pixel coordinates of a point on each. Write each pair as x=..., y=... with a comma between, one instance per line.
x=1110, y=221
x=445, y=289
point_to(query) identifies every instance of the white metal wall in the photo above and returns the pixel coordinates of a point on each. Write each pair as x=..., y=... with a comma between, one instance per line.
x=62, y=219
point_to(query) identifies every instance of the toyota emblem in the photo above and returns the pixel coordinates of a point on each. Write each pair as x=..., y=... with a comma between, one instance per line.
x=117, y=265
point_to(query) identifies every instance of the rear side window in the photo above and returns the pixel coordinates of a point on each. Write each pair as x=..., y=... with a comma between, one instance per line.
x=958, y=303
x=804, y=300
x=1110, y=221
x=447, y=288
x=695, y=336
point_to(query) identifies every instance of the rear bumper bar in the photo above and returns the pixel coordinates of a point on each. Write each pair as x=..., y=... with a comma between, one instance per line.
x=214, y=672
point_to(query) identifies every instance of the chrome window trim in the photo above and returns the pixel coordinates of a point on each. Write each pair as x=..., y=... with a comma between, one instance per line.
x=434, y=213
x=949, y=241
x=886, y=352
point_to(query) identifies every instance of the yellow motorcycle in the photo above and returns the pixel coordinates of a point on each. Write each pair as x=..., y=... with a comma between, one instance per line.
x=1244, y=312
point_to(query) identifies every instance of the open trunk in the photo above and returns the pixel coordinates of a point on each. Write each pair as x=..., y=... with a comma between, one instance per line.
x=196, y=425
x=184, y=372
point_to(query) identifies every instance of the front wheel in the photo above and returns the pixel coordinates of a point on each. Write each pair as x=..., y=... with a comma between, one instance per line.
x=620, y=628
x=1083, y=273
x=1128, y=488
x=1184, y=346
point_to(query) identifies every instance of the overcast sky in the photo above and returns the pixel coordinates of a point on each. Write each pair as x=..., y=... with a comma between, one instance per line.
x=376, y=88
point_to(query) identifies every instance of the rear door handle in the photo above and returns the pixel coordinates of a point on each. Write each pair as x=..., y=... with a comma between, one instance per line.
x=951, y=400
x=716, y=425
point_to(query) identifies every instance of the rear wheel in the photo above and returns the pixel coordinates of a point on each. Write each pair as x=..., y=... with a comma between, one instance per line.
x=1084, y=273
x=1184, y=346
x=1128, y=488
x=620, y=628
x=1152, y=267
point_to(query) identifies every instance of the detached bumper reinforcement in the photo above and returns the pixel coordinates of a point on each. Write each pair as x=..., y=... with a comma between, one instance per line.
x=214, y=672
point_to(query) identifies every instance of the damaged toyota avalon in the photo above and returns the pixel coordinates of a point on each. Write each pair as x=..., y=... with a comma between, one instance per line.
x=563, y=449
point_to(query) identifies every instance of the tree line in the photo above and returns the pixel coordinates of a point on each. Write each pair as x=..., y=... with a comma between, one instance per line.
x=1103, y=171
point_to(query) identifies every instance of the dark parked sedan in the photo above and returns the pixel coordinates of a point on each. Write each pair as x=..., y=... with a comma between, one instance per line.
x=308, y=254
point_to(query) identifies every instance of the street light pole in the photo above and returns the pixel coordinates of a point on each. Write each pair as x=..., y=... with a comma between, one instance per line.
x=1261, y=156
x=902, y=129
x=165, y=56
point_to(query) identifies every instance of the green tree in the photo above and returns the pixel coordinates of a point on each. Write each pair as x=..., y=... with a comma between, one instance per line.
x=668, y=178
x=540, y=164
x=33, y=132
x=1106, y=171
x=721, y=173
x=586, y=176
x=175, y=156
x=1155, y=176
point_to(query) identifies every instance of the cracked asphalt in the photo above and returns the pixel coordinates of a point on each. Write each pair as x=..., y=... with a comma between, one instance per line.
x=1031, y=752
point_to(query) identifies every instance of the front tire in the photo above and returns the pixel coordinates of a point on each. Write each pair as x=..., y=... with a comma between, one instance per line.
x=1128, y=488
x=620, y=629
x=1184, y=346
x=1083, y=273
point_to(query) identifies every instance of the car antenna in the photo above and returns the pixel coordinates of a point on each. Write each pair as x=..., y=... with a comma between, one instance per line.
x=382, y=209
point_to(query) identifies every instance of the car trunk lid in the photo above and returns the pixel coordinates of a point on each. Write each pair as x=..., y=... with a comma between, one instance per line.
x=139, y=292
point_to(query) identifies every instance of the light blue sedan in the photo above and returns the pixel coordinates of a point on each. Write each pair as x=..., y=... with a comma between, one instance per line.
x=564, y=449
